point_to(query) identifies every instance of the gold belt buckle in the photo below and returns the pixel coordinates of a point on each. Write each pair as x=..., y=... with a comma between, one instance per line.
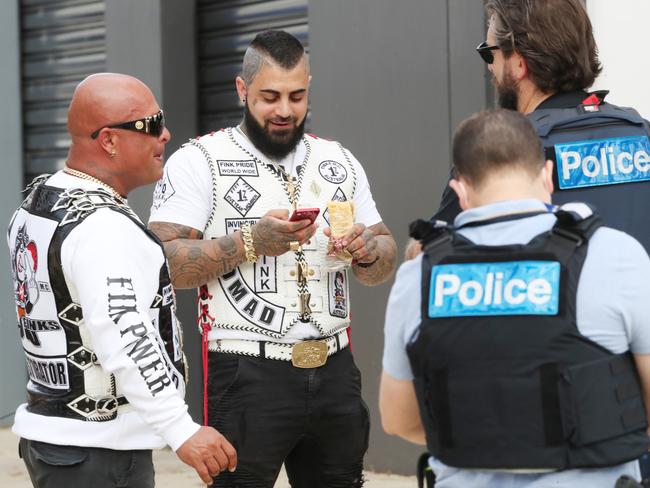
x=309, y=354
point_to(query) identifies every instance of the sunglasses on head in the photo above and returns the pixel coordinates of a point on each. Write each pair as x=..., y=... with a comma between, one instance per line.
x=485, y=52
x=152, y=125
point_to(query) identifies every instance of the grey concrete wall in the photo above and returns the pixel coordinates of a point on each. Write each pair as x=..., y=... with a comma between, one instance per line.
x=12, y=363
x=154, y=40
x=391, y=80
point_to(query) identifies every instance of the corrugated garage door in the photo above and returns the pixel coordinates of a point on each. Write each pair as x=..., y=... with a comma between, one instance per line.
x=226, y=28
x=63, y=41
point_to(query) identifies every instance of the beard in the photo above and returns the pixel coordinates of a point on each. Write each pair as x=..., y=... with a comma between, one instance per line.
x=507, y=94
x=276, y=145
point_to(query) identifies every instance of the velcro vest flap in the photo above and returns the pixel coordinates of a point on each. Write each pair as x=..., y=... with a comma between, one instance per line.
x=612, y=384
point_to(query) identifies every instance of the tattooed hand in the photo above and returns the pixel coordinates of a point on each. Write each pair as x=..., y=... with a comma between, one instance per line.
x=374, y=251
x=273, y=232
x=360, y=242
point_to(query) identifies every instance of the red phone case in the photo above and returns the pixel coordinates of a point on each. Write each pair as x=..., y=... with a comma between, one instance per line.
x=305, y=213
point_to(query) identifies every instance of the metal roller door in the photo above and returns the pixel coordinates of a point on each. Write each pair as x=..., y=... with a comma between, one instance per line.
x=63, y=41
x=226, y=28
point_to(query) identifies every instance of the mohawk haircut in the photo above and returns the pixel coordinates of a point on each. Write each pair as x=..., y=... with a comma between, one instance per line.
x=279, y=46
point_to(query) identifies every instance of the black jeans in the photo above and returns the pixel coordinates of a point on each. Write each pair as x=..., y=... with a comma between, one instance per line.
x=313, y=420
x=54, y=466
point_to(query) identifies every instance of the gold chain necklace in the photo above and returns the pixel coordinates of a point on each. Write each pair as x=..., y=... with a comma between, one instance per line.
x=84, y=176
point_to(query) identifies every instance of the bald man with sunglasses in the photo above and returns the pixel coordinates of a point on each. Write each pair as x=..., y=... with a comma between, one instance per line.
x=96, y=308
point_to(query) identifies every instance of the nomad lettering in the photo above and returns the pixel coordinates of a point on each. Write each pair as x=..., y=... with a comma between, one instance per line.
x=142, y=347
x=252, y=307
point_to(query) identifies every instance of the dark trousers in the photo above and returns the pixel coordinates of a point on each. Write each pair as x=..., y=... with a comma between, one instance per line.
x=313, y=420
x=54, y=466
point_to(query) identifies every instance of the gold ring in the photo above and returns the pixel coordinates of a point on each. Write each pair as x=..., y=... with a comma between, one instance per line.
x=294, y=246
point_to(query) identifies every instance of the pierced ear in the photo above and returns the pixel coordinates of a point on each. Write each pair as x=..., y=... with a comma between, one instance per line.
x=241, y=88
x=108, y=141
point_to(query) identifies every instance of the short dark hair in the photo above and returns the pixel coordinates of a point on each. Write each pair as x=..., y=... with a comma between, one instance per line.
x=554, y=36
x=280, y=46
x=494, y=140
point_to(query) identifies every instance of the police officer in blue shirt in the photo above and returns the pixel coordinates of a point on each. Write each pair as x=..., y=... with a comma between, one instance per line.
x=543, y=56
x=517, y=345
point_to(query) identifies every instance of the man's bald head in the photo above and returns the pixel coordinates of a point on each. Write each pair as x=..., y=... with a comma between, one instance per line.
x=106, y=98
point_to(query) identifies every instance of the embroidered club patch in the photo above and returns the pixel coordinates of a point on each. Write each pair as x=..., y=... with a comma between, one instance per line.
x=242, y=196
x=338, y=294
x=164, y=191
x=333, y=171
x=237, y=168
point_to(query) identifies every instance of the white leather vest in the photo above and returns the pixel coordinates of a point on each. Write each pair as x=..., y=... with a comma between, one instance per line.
x=264, y=297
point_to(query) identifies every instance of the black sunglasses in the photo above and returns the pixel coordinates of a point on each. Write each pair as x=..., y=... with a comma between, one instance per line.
x=152, y=125
x=485, y=52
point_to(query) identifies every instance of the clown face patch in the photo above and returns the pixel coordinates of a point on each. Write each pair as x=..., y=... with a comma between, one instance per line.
x=338, y=294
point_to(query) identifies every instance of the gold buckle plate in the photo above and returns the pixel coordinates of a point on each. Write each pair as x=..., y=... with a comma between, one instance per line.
x=309, y=354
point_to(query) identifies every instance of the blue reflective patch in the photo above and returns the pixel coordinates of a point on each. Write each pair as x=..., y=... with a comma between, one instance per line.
x=603, y=162
x=507, y=288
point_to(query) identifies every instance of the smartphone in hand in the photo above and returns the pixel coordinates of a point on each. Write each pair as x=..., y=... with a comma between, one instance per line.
x=305, y=214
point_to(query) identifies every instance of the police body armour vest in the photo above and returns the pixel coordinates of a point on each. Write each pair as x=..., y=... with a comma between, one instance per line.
x=65, y=377
x=263, y=297
x=503, y=377
x=602, y=157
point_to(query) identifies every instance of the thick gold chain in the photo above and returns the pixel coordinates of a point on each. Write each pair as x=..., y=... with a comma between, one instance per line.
x=84, y=176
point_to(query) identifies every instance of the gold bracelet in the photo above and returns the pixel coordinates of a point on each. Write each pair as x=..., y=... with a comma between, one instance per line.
x=249, y=248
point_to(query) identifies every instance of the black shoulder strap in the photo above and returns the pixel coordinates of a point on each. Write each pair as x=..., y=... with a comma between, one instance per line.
x=439, y=246
x=576, y=223
x=426, y=230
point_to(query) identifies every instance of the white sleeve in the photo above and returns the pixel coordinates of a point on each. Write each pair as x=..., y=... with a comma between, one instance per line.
x=613, y=293
x=184, y=193
x=114, y=268
x=403, y=316
x=365, y=208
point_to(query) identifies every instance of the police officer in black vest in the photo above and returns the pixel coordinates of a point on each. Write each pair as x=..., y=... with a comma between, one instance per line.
x=543, y=57
x=518, y=343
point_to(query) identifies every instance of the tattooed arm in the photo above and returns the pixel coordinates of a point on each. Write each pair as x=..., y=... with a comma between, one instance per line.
x=194, y=261
x=374, y=251
x=375, y=254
